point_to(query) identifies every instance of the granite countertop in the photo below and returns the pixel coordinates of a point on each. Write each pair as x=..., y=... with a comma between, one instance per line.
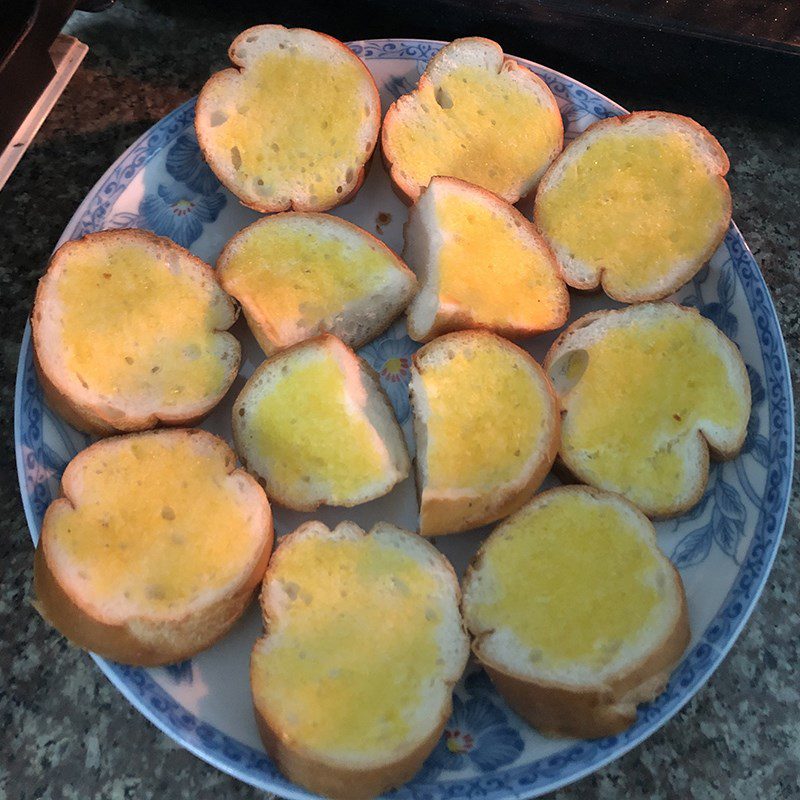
x=65, y=732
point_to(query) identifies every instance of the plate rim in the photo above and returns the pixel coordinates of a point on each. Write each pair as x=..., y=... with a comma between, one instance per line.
x=286, y=788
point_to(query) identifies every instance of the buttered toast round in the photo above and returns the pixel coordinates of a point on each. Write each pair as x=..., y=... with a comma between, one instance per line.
x=474, y=115
x=636, y=204
x=486, y=426
x=130, y=331
x=645, y=393
x=297, y=275
x=575, y=612
x=481, y=264
x=155, y=548
x=293, y=124
x=352, y=682
x=313, y=424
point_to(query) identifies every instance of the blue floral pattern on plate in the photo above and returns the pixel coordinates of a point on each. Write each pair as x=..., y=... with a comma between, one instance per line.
x=162, y=182
x=186, y=164
x=170, y=212
x=390, y=356
x=179, y=210
x=477, y=735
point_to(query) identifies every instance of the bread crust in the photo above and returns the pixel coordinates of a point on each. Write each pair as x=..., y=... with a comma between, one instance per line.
x=461, y=319
x=82, y=418
x=572, y=472
x=207, y=149
x=569, y=475
x=145, y=641
x=338, y=781
x=275, y=493
x=326, y=777
x=682, y=274
x=446, y=515
x=95, y=419
x=606, y=708
x=560, y=710
x=260, y=328
x=409, y=192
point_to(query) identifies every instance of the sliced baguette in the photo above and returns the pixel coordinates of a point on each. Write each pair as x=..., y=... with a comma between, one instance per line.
x=297, y=275
x=474, y=115
x=314, y=426
x=481, y=265
x=352, y=682
x=130, y=332
x=486, y=426
x=293, y=124
x=636, y=204
x=645, y=393
x=155, y=548
x=575, y=613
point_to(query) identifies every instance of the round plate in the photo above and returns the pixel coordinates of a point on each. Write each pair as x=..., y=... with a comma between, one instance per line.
x=724, y=547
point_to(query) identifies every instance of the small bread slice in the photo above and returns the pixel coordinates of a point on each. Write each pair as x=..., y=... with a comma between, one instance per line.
x=155, y=548
x=314, y=426
x=474, y=115
x=352, y=682
x=481, y=265
x=486, y=426
x=637, y=204
x=293, y=124
x=129, y=332
x=645, y=393
x=575, y=613
x=297, y=275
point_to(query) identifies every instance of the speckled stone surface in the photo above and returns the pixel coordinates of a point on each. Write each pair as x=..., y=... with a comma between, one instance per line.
x=64, y=731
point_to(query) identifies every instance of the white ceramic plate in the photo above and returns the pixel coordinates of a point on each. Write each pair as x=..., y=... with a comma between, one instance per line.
x=724, y=547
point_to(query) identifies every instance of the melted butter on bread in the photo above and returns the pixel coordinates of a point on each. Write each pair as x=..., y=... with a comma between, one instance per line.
x=294, y=114
x=155, y=525
x=309, y=426
x=478, y=125
x=133, y=323
x=487, y=267
x=486, y=416
x=290, y=272
x=644, y=391
x=634, y=204
x=572, y=580
x=348, y=658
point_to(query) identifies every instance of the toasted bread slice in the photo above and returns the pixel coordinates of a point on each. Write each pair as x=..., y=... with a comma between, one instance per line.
x=293, y=124
x=474, y=115
x=298, y=275
x=636, y=204
x=155, y=548
x=575, y=612
x=352, y=683
x=314, y=425
x=129, y=332
x=645, y=393
x=481, y=265
x=486, y=425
